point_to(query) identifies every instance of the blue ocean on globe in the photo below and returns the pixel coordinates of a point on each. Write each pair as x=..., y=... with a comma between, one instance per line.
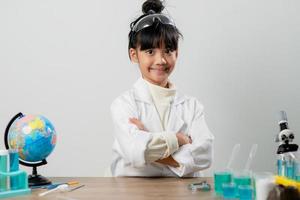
x=34, y=136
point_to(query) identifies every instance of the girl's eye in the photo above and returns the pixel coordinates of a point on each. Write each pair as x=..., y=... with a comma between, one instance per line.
x=149, y=51
x=168, y=51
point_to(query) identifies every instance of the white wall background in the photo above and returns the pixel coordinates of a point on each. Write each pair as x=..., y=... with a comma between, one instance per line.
x=67, y=60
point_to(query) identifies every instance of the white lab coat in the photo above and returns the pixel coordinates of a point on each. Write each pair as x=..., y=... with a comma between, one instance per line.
x=186, y=115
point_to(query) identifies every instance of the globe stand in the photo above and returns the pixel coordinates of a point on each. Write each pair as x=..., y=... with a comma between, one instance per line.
x=36, y=179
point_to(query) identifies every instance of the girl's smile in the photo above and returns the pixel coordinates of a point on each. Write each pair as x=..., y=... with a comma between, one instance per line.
x=159, y=69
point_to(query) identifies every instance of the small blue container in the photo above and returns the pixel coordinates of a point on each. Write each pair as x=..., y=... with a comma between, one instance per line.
x=229, y=190
x=245, y=192
x=220, y=178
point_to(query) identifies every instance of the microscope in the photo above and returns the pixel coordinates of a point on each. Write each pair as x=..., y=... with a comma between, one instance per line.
x=286, y=161
x=285, y=136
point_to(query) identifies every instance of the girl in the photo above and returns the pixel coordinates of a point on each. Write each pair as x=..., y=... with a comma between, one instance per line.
x=158, y=131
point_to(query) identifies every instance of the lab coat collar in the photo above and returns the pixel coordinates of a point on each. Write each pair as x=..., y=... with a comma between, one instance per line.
x=142, y=93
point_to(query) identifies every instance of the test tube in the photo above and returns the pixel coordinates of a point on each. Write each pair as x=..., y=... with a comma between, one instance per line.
x=3, y=168
x=14, y=166
x=291, y=166
x=297, y=170
x=281, y=165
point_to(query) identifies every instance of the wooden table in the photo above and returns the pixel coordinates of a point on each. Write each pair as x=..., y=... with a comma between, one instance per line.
x=127, y=188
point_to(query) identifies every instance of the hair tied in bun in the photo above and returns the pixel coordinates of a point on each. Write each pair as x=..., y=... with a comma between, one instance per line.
x=154, y=5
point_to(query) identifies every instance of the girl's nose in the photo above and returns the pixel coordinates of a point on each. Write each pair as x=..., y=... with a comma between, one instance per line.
x=161, y=58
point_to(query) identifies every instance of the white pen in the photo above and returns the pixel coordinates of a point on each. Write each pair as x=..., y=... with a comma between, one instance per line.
x=61, y=188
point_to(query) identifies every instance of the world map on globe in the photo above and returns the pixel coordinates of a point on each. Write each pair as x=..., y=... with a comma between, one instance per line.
x=34, y=136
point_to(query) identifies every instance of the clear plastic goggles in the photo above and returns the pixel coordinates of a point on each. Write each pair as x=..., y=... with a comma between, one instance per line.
x=148, y=20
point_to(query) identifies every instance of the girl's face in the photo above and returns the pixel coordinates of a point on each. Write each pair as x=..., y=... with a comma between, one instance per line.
x=155, y=64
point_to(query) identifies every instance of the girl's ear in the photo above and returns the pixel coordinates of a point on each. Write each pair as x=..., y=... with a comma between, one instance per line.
x=133, y=55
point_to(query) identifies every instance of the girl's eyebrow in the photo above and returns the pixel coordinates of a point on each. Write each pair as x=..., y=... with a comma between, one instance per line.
x=149, y=48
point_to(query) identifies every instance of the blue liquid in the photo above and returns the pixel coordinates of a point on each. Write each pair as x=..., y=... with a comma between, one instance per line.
x=14, y=166
x=220, y=178
x=245, y=192
x=291, y=169
x=229, y=190
x=290, y=172
x=241, y=181
x=3, y=168
x=281, y=167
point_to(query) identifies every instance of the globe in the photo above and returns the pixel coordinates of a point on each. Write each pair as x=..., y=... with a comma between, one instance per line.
x=34, y=136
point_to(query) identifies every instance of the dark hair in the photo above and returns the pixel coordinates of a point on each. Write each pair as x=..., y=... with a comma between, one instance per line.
x=155, y=35
x=280, y=192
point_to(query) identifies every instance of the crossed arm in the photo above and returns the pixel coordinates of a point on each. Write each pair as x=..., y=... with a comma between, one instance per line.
x=181, y=138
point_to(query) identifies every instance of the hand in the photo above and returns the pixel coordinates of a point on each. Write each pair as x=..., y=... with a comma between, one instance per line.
x=169, y=161
x=138, y=123
x=183, y=139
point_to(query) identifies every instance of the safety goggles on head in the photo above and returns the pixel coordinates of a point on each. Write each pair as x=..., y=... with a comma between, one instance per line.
x=148, y=20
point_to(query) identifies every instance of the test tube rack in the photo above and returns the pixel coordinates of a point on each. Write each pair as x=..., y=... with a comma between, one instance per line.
x=13, y=184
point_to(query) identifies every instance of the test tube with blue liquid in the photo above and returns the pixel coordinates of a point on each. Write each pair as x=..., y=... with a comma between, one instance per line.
x=281, y=165
x=297, y=168
x=290, y=168
x=14, y=166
